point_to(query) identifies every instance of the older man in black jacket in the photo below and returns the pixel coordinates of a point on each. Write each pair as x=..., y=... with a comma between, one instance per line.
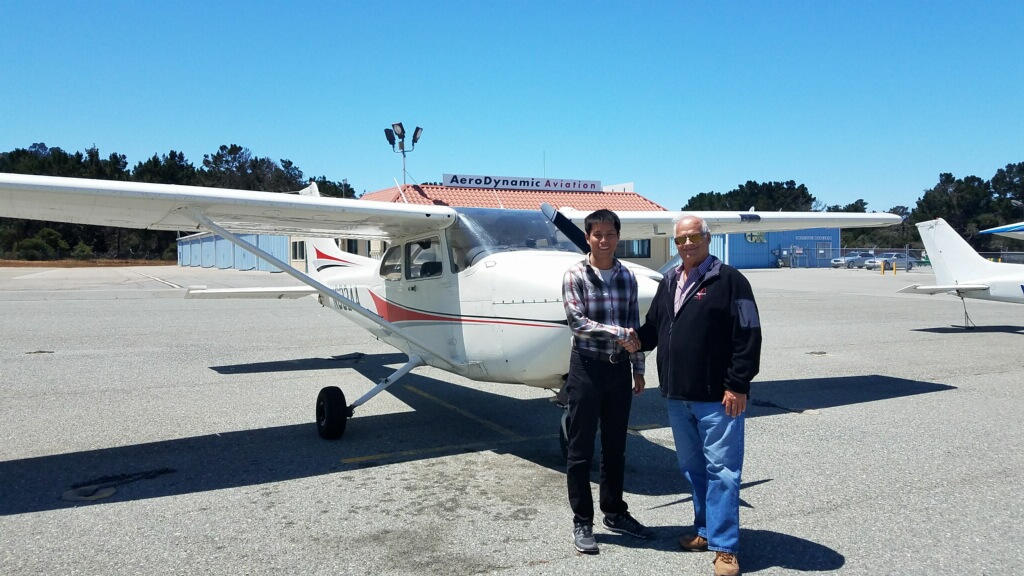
x=704, y=322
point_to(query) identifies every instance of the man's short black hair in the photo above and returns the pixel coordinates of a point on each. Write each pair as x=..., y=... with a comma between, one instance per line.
x=602, y=215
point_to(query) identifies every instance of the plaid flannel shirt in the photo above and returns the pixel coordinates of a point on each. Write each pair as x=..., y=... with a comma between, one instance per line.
x=600, y=313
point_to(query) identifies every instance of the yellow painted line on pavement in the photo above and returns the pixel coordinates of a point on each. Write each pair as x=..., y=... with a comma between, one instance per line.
x=487, y=423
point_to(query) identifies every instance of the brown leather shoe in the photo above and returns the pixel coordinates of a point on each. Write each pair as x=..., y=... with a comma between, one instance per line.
x=693, y=543
x=726, y=564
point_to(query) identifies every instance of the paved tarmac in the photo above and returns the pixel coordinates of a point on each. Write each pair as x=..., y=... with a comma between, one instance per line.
x=147, y=434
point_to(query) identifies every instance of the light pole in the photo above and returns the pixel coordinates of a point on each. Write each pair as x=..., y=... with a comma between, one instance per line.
x=398, y=131
x=1018, y=204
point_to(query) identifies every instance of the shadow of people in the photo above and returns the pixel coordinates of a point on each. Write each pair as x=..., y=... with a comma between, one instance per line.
x=762, y=549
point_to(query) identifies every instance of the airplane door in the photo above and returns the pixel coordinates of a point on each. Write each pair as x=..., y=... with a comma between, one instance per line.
x=429, y=295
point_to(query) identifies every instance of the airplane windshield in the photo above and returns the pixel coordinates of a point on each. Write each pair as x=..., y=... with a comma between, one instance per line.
x=478, y=232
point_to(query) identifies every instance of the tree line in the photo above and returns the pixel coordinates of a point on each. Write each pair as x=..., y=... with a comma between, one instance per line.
x=231, y=166
x=969, y=204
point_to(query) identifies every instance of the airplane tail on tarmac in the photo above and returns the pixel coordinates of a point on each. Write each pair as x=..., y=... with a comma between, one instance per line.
x=323, y=254
x=953, y=260
x=961, y=271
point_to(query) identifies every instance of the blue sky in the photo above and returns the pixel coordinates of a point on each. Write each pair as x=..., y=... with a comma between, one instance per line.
x=862, y=99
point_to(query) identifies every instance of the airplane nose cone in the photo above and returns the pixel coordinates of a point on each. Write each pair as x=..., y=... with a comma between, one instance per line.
x=645, y=289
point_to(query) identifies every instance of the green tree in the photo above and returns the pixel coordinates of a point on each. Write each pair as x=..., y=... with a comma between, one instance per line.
x=334, y=189
x=33, y=249
x=82, y=251
x=858, y=206
x=763, y=197
x=170, y=168
x=54, y=240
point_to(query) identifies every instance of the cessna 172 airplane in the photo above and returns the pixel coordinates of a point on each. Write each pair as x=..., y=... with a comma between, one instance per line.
x=473, y=291
x=961, y=271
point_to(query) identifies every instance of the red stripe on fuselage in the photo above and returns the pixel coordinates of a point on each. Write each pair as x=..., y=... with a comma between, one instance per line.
x=394, y=313
x=321, y=256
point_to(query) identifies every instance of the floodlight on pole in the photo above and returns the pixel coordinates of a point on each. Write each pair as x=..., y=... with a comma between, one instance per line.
x=397, y=131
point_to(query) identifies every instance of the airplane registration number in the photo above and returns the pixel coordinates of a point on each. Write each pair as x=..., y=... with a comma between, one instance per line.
x=350, y=292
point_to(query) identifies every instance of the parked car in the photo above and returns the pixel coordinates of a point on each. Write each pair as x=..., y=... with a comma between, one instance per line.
x=890, y=259
x=852, y=260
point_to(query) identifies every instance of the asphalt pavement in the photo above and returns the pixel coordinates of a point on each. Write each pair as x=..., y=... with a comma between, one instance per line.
x=143, y=433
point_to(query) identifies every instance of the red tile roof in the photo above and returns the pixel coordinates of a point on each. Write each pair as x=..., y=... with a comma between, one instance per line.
x=513, y=199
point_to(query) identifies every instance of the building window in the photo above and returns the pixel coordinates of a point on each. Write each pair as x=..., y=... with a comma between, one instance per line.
x=633, y=249
x=298, y=250
x=755, y=237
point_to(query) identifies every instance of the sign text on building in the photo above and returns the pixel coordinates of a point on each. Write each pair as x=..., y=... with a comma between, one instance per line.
x=520, y=183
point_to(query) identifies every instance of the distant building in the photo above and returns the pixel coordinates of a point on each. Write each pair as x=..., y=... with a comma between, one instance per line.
x=804, y=248
x=647, y=252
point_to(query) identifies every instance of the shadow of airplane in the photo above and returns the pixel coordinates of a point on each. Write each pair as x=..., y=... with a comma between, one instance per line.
x=445, y=419
x=973, y=330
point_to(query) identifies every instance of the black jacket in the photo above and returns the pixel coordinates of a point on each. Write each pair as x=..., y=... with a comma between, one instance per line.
x=713, y=344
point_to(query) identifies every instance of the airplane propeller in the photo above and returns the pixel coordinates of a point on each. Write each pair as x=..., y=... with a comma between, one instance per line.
x=565, y=226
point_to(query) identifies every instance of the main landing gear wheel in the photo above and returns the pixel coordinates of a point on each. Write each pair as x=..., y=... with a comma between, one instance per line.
x=563, y=434
x=332, y=413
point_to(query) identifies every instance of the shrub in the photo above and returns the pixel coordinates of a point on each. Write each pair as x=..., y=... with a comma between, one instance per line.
x=82, y=251
x=33, y=249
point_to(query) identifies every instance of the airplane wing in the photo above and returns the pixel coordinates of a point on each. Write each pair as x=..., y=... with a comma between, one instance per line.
x=228, y=212
x=652, y=224
x=1010, y=231
x=172, y=207
x=952, y=288
x=273, y=293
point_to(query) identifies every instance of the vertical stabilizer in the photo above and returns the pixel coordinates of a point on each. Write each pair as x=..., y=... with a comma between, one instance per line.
x=323, y=254
x=952, y=258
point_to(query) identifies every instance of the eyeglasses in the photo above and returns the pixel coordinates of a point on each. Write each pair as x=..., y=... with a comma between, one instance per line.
x=694, y=238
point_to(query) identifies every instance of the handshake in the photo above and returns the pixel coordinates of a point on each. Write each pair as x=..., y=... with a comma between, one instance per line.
x=631, y=342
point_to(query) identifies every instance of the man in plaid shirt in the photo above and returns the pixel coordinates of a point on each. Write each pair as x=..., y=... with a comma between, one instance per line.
x=600, y=298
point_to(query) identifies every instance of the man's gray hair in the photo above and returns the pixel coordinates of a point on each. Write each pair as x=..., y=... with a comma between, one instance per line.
x=704, y=229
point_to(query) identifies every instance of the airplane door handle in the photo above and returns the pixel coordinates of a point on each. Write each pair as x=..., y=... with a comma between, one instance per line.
x=412, y=288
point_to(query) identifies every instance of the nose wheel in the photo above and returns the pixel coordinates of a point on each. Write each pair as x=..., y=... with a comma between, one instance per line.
x=332, y=413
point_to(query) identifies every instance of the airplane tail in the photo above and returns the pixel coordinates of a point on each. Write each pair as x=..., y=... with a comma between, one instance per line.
x=323, y=254
x=952, y=258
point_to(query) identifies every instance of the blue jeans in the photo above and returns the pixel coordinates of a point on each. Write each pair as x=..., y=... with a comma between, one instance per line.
x=709, y=446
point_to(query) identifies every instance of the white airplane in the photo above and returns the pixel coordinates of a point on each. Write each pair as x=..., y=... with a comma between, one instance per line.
x=961, y=271
x=1010, y=231
x=473, y=291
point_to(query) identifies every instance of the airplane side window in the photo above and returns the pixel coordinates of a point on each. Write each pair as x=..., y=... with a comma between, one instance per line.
x=460, y=243
x=391, y=264
x=424, y=257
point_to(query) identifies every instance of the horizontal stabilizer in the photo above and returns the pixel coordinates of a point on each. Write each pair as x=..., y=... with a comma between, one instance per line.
x=919, y=289
x=1010, y=231
x=272, y=293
